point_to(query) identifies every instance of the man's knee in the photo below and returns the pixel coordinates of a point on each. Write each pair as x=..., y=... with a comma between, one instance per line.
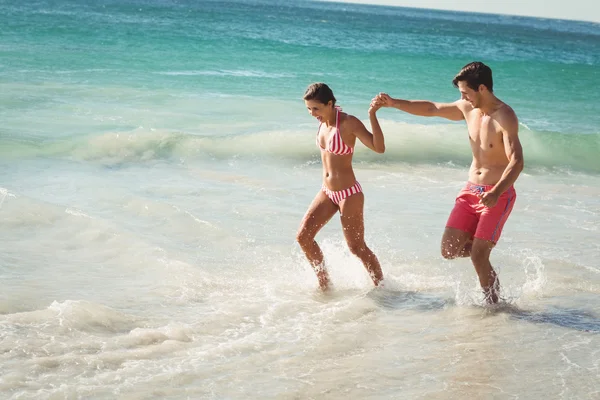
x=449, y=251
x=448, y=255
x=453, y=242
x=480, y=259
x=480, y=252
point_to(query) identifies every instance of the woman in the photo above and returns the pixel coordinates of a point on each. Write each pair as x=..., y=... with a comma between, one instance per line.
x=341, y=191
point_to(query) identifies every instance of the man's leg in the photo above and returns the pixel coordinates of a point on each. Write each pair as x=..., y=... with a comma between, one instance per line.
x=460, y=227
x=480, y=256
x=466, y=250
x=489, y=229
x=456, y=243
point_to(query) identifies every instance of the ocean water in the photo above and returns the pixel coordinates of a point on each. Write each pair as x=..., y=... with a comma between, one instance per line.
x=156, y=159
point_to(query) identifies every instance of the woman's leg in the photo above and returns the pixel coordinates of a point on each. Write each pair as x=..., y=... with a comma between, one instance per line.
x=351, y=209
x=318, y=214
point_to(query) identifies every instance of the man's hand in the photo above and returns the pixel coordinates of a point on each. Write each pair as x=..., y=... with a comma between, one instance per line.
x=385, y=100
x=488, y=199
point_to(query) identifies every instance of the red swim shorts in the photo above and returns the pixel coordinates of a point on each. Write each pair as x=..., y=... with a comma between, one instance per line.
x=482, y=222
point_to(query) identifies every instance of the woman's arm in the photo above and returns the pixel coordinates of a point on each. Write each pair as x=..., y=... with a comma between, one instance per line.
x=373, y=141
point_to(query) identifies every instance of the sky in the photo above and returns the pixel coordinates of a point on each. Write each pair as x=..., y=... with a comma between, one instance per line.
x=583, y=10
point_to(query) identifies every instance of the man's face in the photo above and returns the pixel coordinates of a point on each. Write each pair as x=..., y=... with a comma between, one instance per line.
x=468, y=94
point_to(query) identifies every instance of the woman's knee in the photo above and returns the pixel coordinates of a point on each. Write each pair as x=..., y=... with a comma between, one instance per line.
x=357, y=248
x=304, y=237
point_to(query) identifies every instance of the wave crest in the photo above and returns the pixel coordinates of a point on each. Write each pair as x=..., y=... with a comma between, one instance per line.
x=405, y=143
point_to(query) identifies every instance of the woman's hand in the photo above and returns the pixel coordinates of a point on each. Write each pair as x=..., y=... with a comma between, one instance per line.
x=376, y=104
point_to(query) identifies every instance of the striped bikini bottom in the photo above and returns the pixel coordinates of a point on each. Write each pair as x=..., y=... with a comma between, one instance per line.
x=340, y=195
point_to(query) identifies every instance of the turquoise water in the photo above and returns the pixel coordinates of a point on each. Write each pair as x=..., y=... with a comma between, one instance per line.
x=156, y=159
x=187, y=65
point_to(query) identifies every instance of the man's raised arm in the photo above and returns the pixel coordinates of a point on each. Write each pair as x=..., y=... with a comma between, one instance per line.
x=423, y=108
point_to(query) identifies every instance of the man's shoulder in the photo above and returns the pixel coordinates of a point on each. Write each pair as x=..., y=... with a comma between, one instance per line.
x=507, y=114
x=465, y=107
x=507, y=118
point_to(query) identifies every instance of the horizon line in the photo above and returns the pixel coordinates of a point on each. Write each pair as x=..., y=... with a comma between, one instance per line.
x=382, y=4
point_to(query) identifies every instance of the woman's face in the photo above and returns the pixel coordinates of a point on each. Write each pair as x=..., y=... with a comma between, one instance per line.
x=318, y=109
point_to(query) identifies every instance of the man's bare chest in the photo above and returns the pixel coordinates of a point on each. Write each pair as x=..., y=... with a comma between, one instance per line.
x=485, y=133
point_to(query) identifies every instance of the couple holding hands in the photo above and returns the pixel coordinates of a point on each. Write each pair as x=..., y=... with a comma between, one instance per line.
x=481, y=207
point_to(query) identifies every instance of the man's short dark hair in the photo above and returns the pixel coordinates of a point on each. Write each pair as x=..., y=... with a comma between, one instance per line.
x=475, y=74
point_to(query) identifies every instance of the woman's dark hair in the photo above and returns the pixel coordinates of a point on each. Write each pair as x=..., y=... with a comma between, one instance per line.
x=475, y=74
x=320, y=92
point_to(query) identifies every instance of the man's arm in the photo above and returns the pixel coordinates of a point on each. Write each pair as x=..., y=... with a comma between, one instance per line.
x=424, y=108
x=514, y=153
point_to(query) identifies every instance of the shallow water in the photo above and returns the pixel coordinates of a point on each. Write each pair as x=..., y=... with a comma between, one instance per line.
x=151, y=187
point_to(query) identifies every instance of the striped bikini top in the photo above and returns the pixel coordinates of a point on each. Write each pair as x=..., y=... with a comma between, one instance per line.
x=336, y=145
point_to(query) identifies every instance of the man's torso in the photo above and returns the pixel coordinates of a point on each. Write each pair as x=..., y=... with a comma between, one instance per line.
x=487, y=145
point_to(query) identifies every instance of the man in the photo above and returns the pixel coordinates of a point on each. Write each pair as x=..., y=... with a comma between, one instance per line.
x=484, y=204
